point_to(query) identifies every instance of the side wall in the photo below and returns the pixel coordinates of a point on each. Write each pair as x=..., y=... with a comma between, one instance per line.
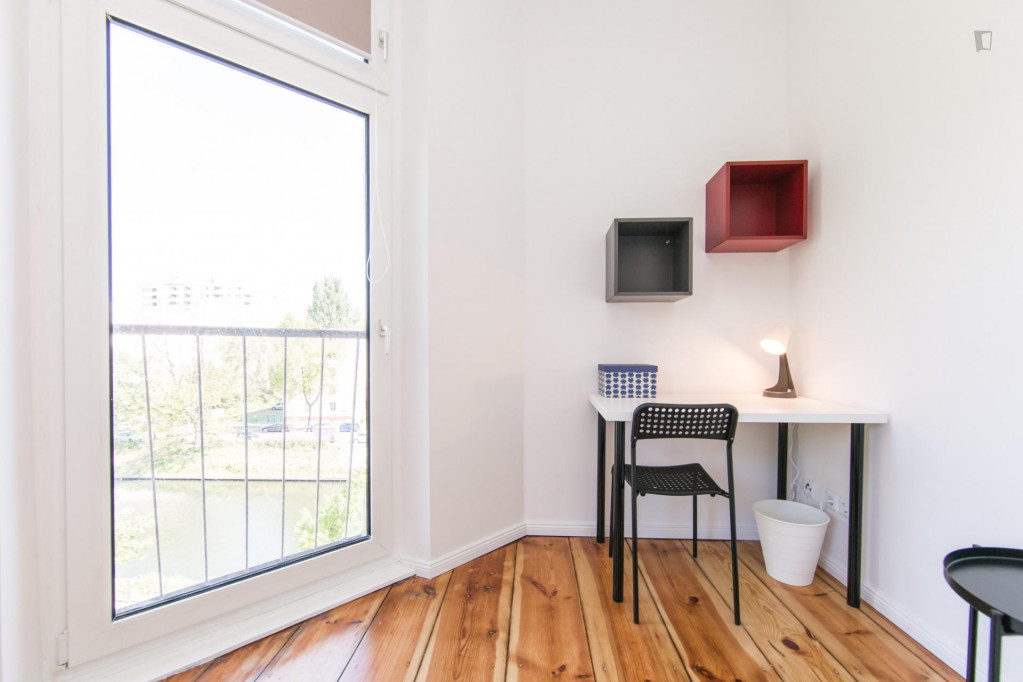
x=630, y=108
x=20, y=655
x=907, y=296
x=476, y=271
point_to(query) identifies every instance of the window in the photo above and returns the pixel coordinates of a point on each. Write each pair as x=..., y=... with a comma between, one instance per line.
x=238, y=242
x=216, y=173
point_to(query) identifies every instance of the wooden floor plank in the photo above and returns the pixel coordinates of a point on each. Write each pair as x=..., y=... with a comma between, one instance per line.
x=245, y=664
x=470, y=639
x=863, y=648
x=322, y=646
x=793, y=652
x=620, y=649
x=542, y=609
x=548, y=636
x=395, y=643
x=702, y=626
x=936, y=664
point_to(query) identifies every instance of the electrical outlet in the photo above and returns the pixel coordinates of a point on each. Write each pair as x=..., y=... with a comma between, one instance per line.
x=832, y=500
x=810, y=489
x=844, y=507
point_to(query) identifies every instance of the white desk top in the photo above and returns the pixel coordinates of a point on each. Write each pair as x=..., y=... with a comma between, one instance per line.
x=752, y=408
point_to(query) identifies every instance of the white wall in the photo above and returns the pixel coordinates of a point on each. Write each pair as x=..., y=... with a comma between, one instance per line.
x=907, y=296
x=410, y=327
x=466, y=157
x=630, y=108
x=19, y=642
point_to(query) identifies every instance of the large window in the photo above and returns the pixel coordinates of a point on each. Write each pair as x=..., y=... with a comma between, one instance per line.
x=238, y=213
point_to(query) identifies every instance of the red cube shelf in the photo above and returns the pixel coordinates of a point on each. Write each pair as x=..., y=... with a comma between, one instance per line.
x=756, y=206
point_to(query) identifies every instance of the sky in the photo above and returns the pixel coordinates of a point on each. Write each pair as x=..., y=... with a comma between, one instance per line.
x=219, y=176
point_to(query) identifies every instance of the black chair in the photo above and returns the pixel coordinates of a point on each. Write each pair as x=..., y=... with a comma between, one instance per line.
x=711, y=422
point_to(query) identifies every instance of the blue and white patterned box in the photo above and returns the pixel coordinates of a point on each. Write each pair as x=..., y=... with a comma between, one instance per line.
x=627, y=381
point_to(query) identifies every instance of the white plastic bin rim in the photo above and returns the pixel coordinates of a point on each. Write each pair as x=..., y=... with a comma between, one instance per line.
x=791, y=513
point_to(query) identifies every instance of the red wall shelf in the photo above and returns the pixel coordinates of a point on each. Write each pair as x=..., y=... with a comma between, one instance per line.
x=756, y=206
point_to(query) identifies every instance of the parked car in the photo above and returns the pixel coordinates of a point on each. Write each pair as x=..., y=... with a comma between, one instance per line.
x=327, y=427
x=275, y=428
x=278, y=406
x=345, y=427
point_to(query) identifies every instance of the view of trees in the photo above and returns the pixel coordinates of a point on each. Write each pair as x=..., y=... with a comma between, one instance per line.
x=333, y=514
x=331, y=307
x=179, y=436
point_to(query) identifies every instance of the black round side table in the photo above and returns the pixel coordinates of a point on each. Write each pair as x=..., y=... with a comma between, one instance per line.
x=990, y=579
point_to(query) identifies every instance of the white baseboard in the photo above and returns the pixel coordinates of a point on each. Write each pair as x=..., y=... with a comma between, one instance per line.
x=431, y=569
x=947, y=651
x=218, y=636
x=646, y=530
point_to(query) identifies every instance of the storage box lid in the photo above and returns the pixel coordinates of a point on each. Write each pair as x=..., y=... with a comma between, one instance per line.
x=627, y=368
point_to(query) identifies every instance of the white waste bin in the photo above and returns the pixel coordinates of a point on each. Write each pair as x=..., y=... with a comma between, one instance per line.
x=791, y=536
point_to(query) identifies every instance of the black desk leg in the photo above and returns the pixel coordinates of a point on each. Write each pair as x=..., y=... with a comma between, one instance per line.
x=855, y=515
x=994, y=666
x=783, y=461
x=601, y=474
x=971, y=648
x=618, y=522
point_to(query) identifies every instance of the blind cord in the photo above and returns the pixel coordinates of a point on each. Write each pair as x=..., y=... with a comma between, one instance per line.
x=375, y=205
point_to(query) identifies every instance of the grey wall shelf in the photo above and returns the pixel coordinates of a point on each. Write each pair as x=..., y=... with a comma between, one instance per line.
x=649, y=259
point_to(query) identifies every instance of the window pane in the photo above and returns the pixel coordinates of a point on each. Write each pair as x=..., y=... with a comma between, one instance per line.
x=239, y=314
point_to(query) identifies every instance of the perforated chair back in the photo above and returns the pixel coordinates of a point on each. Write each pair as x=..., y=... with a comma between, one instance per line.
x=658, y=420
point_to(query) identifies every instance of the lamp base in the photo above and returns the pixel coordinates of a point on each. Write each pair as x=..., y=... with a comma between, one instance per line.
x=784, y=388
x=771, y=393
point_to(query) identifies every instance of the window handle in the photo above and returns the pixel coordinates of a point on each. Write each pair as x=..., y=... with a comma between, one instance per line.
x=385, y=334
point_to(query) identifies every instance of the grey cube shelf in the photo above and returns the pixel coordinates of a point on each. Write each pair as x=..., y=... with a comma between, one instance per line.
x=649, y=259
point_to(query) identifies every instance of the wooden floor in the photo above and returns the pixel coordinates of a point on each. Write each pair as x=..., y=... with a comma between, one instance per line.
x=541, y=609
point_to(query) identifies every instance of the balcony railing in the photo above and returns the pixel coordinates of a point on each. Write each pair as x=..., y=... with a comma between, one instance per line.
x=188, y=390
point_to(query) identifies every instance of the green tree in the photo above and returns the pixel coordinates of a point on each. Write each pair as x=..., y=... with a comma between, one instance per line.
x=304, y=363
x=333, y=514
x=330, y=307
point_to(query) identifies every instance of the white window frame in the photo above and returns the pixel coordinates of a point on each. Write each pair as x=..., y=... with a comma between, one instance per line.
x=237, y=34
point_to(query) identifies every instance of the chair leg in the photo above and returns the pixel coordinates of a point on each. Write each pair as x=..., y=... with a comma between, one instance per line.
x=694, y=525
x=735, y=560
x=635, y=561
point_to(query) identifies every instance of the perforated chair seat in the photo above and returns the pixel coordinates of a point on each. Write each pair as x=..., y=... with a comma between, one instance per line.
x=684, y=479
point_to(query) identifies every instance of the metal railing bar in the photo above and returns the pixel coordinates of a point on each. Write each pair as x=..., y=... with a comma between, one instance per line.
x=185, y=330
x=198, y=332
x=284, y=445
x=210, y=479
x=202, y=461
x=319, y=441
x=152, y=465
x=351, y=438
x=245, y=418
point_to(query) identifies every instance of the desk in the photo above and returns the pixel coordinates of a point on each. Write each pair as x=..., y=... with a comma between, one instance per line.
x=754, y=409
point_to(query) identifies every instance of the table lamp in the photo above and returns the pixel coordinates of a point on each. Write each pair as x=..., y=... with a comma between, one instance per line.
x=776, y=343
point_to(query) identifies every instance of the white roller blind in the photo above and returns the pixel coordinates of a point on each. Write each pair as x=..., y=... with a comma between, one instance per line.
x=345, y=20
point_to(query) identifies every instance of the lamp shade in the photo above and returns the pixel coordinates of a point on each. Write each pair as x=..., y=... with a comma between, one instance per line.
x=777, y=341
